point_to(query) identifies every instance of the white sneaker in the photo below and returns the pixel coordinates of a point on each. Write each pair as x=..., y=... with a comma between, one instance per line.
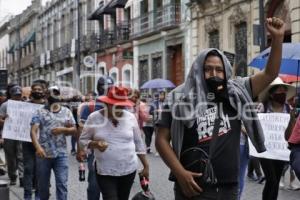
x=293, y=186
x=281, y=184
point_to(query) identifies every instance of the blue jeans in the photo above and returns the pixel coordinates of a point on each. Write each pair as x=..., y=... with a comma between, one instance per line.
x=244, y=158
x=93, y=190
x=60, y=168
x=295, y=160
x=29, y=162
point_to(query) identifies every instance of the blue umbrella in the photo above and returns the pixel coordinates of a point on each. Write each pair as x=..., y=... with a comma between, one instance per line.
x=290, y=59
x=158, y=83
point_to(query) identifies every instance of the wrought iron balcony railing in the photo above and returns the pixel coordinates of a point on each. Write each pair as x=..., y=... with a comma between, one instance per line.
x=167, y=17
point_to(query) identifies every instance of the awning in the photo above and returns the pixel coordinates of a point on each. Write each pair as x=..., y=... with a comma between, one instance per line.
x=129, y=3
x=30, y=38
x=11, y=49
x=118, y=3
x=103, y=9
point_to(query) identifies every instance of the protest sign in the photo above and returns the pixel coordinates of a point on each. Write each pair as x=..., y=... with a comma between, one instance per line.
x=274, y=125
x=17, y=125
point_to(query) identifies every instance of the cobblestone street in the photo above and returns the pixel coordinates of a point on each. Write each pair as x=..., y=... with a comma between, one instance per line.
x=160, y=186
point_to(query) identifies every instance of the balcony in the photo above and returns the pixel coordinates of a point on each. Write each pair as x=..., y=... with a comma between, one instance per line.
x=37, y=61
x=168, y=17
x=27, y=61
x=122, y=32
x=108, y=38
x=64, y=52
x=54, y=55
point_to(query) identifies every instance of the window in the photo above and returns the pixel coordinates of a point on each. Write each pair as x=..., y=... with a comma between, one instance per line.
x=144, y=7
x=126, y=78
x=156, y=67
x=214, y=39
x=114, y=76
x=241, y=49
x=62, y=29
x=143, y=71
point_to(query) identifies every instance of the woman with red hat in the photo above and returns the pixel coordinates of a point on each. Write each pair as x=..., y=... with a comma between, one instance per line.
x=114, y=134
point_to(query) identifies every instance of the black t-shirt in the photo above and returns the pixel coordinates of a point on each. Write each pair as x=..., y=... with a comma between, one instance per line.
x=225, y=159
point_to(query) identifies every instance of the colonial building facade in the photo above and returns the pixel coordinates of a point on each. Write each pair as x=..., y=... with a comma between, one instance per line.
x=58, y=36
x=114, y=47
x=157, y=28
x=230, y=25
x=22, y=40
x=134, y=40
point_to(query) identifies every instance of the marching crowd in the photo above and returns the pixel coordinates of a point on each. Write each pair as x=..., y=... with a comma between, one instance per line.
x=201, y=127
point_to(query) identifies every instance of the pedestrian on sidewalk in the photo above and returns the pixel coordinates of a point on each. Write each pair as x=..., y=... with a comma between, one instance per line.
x=12, y=148
x=114, y=135
x=274, y=101
x=148, y=126
x=207, y=98
x=37, y=95
x=52, y=123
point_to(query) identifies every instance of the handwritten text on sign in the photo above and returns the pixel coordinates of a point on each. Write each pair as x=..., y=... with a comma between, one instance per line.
x=17, y=125
x=274, y=126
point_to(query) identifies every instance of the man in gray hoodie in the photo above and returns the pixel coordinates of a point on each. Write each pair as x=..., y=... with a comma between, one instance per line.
x=188, y=121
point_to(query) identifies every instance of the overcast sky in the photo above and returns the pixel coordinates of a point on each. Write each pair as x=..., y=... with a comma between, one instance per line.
x=14, y=6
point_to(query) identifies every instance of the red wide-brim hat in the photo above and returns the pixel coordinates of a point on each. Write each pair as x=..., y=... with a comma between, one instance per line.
x=117, y=96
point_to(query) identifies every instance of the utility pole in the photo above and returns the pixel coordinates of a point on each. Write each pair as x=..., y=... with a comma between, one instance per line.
x=262, y=25
x=78, y=54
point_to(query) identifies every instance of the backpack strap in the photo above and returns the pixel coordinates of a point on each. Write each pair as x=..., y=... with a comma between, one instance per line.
x=215, y=133
x=92, y=105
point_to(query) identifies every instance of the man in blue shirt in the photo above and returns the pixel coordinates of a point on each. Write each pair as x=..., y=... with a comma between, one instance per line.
x=103, y=84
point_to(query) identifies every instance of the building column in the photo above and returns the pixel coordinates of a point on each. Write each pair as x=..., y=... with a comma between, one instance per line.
x=295, y=20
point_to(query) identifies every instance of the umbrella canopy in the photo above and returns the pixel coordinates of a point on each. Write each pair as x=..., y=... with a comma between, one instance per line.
x=158, y=83
x=289, y=78
x=290, y=59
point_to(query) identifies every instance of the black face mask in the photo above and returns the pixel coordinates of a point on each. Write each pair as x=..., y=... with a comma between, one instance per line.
x=213, y=83
x=52, y=100
x=279, y=98
x=37, y=95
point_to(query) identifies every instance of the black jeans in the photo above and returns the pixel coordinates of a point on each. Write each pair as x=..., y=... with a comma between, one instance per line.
x=29, y=161
x=115, y=187
x=254, y=165
x=273, y=170
x=228, y=192
x=148, y=130
x=14, y=158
